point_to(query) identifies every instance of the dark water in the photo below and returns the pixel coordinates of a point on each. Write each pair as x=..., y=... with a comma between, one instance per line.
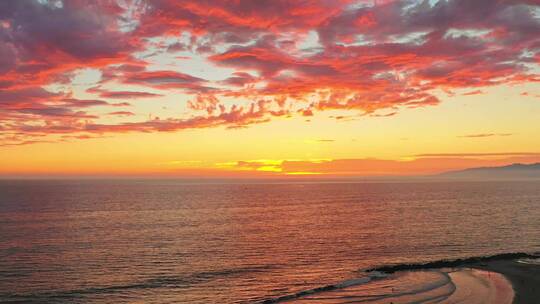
x=172, y=241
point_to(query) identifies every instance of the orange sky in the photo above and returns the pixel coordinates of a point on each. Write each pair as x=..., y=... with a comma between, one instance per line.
x=244, y=89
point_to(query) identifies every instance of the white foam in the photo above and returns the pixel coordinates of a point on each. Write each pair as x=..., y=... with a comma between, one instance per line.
x=429, y=286
x=529, y=261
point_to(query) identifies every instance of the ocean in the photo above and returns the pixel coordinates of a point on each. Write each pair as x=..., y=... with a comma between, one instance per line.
x=179, y=241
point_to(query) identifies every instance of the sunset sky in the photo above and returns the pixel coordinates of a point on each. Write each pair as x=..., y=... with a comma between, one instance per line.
x=262, y=88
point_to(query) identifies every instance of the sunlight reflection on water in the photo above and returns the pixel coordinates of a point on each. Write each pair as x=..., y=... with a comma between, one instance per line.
x=166, y=241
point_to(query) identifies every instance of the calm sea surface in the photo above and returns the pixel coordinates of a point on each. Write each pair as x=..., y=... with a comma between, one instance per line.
x=171, y=241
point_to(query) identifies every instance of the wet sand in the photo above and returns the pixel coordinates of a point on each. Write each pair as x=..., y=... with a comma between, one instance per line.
x=525, y=278
x=522, y=270
x=498, y=279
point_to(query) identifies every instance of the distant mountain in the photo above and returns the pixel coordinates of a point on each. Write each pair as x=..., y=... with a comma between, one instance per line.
x=514, y=171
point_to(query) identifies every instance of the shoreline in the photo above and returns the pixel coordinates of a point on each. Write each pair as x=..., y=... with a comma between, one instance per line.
x=495, y=279
x=525, y=278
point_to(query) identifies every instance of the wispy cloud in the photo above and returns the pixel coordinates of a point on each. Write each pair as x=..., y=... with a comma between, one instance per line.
x=122, y=113
x=484, y=135
x=319, y=140
x=475, y=92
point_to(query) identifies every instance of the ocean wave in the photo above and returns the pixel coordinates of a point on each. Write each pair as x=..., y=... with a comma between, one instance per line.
x=429, y=291
x=175, y=282
x=436, y=286
x=530, y=261
x=341, y=285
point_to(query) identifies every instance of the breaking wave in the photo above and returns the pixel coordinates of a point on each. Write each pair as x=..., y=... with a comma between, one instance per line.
x=449, y=281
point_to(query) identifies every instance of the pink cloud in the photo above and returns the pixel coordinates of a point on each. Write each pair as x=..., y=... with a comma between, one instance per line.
x=475, y=92
x=361, y=58
x=122, y=94
x=122, y=113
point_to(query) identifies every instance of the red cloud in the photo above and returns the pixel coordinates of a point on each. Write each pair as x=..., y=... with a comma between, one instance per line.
x=238, y=20
x=234, y=117
x=240, y=79
x=303, y=56
x=475, y=92
x=51, y=41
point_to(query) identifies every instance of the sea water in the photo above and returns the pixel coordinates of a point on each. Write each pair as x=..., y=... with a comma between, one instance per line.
x=179, y=241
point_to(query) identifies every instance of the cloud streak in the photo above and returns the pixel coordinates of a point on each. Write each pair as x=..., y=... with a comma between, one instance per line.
x=484, y=135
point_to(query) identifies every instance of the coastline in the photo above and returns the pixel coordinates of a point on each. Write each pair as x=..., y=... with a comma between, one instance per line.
x=525, y=278
x=501, y=279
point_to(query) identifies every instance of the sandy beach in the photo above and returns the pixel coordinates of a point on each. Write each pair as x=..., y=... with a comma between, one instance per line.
x=499, y=279
x=525, y=278
x=503, y=278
